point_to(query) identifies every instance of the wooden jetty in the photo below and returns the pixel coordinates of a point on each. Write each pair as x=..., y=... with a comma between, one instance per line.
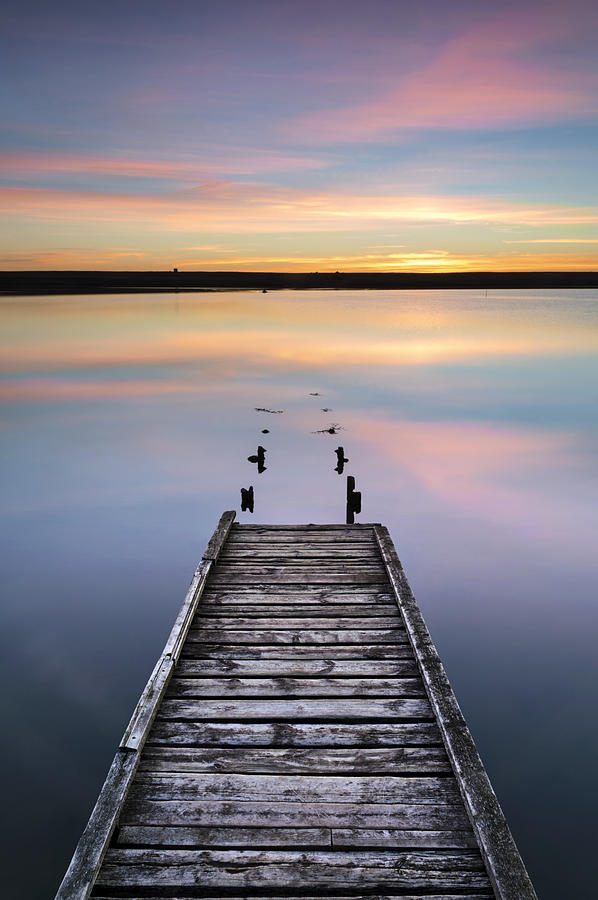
x=298, y=737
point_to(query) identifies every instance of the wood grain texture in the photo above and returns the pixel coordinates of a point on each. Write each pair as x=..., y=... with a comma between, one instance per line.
x=284, y=869
x=281, y=710
x=306, y=553
x=211, y=634
x=293, y=838
x=273, y=623
x=273, y=575
x=295, y=814
x=297, y=668
x=294, y=734
x=332, y=652
x=152, y=835
x=308, y=595
x=106, y=894
x=278, y=761
x=219, y=610
x=287, y=688
x=295, y=788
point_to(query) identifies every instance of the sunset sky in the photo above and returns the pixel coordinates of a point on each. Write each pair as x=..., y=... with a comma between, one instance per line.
x=276, y=135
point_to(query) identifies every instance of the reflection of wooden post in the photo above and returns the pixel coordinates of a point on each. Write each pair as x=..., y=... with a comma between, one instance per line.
x=341, y=459
x=247, y=499
x=353, y=500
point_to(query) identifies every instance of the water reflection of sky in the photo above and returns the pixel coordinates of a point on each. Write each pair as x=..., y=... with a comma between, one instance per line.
x=470, y=426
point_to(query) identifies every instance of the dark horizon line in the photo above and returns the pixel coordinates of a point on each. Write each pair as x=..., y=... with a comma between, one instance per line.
x=98, y=281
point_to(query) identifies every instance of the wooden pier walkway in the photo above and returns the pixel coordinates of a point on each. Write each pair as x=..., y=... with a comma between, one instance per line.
x=298, y=738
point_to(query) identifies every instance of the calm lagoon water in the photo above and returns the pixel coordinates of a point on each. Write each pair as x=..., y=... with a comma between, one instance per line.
x=470, y=424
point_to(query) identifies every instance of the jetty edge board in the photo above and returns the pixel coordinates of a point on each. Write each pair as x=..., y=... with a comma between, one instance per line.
x=91, y=849
x=505, y=867
x=290, y=743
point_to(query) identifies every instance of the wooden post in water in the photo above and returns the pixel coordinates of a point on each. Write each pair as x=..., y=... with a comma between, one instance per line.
x=353, y=500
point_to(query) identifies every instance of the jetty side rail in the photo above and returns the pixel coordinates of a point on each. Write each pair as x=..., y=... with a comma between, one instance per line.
x=506, y=869
x=90, y=851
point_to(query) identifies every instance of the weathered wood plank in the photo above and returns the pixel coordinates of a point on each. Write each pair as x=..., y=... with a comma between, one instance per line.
x=277, y=761
x=296, y=734
x=106, y=894
x=217, y=542
x=295, y=838
x=286, y=576
x=328, y=566
x=295, y=590
x=295, y=788
x=297, y=610
x=212, y=635
x=281, y=710
x=505, y=866
x=303, y=540
x=288, y=564
x=329, y=560
x=286, y=688
x=358, y=528
x=151, y=835
x=270, y=623
x=293, y=554
x=270, y=868
x=293, y=651
x=297, y=668
x=396, y=838
x=308, y=595
x=295, y=814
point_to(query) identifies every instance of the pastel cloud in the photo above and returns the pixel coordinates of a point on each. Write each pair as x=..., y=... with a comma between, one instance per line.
x=60, y=390
x=217, y=161
x=230, y=206
x=486, y=77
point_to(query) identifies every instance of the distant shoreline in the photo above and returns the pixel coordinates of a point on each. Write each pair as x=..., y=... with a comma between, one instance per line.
x=98, y=282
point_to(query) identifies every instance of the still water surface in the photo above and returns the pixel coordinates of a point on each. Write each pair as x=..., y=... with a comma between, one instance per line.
x=470, y=425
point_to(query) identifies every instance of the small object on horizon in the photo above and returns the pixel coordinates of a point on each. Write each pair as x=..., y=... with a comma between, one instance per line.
x=264, y=291
x=176, y=271
x=263, y=409
x=265, y=431
x=334, y=428
x=314, y=394
x=341, y=459
x=326, y=409
x=259, y=458
x=247, y=499
x=353, y=500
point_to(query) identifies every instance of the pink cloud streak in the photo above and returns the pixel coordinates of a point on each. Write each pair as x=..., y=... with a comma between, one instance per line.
x=222, y=161
x=486, y=77
x=229, y=206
